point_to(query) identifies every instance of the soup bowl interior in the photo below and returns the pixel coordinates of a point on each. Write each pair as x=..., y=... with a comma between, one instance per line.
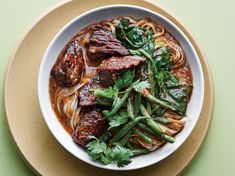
x=94, y=16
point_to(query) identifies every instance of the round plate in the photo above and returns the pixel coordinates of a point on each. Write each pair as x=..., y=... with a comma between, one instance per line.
x=32, y=137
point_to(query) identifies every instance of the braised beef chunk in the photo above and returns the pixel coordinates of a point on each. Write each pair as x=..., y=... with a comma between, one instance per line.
x=103, y=44
x=69, y=65
x=116, y=63
x=91, y=123
x=86, y=96
x=105, y=78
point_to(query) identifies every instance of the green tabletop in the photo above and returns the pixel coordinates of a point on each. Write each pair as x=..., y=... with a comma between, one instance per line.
x=212, y=23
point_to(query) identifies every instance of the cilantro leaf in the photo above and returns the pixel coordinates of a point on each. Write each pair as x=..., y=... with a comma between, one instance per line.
x=108, y=93
x=125, y=22
x=141, y=85
x=171, y=80
x=117, y=120
x=99, y=151
x=125, y=79
x=163, y=55
x=106, y=158
x=96, y=148
x=135, y=37
x=172, y=91
x=130, y=36
x=121, y=155
x=149, y=45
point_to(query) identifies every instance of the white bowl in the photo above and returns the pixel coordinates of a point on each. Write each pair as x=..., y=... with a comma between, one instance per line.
x=96, y=15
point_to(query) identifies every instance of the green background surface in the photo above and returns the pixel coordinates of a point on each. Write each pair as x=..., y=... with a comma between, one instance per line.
x=212, y=23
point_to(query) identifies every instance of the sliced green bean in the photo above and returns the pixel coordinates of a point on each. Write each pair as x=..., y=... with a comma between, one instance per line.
x=151, y=80
x=151, y=123
x=103, y=102
x=161, y=103
x=154, y=126
x=125, y=138
x=153, y=66
x=128, y=145
x=151, y=132
x=137, y=103
x=155, y=109
x=125, y=129
x=105, y=137
x=167, y=138
x=139, y=151
x=142, y=135
x=105, y=112
x=145, y=128
x=104, y=93
x=119, y=103
x=149, y=57
x=149, y=109
x=130, y=109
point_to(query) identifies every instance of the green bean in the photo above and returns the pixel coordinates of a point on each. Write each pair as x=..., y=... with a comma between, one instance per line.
x=142, y=135
x=161, y=103
x=151, y=80
x=139, y=151
x=119, y=103
x=128, y=145
x=104, y=93
x=137, y=103
x=156, y=108
x=103, y=102
x=145, y=128
x=105, y=112
x=125, y=129
x=151, y=123
x=130, y=109
x=164, y=120
x=151, y=132
x=154, y=126
x=149, y=57
x=167, y=138
x=125, y=138
x=154, y=68
x=149, y=109
x=105, y=137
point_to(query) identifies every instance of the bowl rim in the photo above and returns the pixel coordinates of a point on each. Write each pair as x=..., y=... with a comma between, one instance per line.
x=67, y=25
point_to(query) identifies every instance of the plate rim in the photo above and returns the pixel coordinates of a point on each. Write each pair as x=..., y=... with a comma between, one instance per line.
x=43, y=102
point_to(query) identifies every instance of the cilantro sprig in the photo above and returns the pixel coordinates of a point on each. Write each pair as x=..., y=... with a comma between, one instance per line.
x=99, y=151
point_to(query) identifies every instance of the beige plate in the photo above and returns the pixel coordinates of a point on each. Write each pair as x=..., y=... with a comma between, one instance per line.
x=35, y=142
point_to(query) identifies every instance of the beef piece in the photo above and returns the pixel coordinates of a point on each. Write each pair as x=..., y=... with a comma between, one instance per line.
x=105, y=78
x=91, y=123
x=69, y=65
x=103, y=44
x=116, y=63
x=87, y=97
x=102, y=80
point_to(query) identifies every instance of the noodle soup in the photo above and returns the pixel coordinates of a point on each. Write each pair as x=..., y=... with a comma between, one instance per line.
x=123, y=83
